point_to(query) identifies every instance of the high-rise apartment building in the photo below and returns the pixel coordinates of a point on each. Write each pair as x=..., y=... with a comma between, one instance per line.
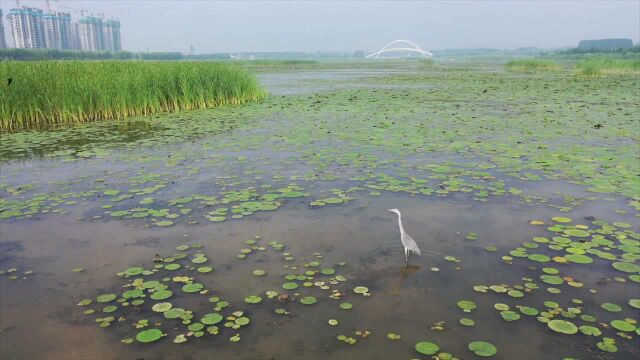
x=27, y=28
x=112, y=35
x=57, y=28
x=91, y=34
x=3, y=41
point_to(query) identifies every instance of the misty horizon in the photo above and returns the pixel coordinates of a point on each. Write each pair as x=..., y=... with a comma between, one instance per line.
x=347, y=26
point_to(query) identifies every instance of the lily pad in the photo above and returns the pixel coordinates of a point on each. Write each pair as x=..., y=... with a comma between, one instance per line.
x=161, y=294
x=562, y=326
x=253, y=299
x=346, y=306
x=482, y=348
x=626, y=267
x=193, y=287
x=290, y=286
x=106, y=298
x=611, y=307
x=161, y=307
x=427, y=348
x=467, y=322
x=361, y=290
x=308, y=300
x=466, y=305
x=623, y=325
x=211, y=319
x=150, y=335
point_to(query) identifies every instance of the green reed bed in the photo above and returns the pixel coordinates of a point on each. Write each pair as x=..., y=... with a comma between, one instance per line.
x=48, y=93
x=532, y=65
x=599, y=66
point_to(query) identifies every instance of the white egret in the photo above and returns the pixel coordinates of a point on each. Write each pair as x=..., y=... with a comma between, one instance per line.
x=407, y=241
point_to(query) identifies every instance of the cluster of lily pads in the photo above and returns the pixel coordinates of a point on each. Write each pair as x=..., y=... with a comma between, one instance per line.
x=592, y=242
x=148, y=305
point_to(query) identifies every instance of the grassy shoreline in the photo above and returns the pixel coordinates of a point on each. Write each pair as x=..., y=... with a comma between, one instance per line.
x=48, y=93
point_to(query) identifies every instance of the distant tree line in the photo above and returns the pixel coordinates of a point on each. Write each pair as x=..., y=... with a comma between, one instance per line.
x=54, y=54
x=633, y=49
x=603, y=46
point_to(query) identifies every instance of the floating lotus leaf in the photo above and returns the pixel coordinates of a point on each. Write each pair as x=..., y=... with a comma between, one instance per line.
x=327, y=271
x=360, y=290
x=551, y=304
x=161, y=307
x=109, y=308
x=84, y=302
x=161, y=294
x=133, y=271
x=259, y=272
x=577, y=232
x=150, y=284
x=562, y=326
x=561, y=219
x=528, y=310
x=623, y=325
x=482, y=348
x=173, y=266
x=193, y=287
x=635, y=303
x=150, y=335
x=515, y=293
x=552, y=279
x=242, y=321
x=106, y=298
x=308, y=300
x=130, y=294
x=611, y=307
x=466, y=305
x=590, y=330
x=211, y=319
x=180, y=339
x=199, y=260
x=579, y=259
x=253, y=299
x=174, y=313
x=427, y=348
x=608, y=345
x=626, y=267
x=290, y=286
x=510, y=315
x=346, y=306
x=467, y=322
x=539, y=258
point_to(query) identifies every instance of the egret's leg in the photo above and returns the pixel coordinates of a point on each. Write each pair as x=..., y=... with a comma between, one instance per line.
x=406, y=255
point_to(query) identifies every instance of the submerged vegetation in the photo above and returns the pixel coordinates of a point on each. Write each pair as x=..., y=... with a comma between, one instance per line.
x=532, y=65
x=597, y=66
x=44, y=94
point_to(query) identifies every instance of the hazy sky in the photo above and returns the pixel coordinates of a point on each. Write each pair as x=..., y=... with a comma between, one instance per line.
x=234, y=26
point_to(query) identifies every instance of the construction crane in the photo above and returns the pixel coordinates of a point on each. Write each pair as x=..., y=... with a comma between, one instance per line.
x=81, y=11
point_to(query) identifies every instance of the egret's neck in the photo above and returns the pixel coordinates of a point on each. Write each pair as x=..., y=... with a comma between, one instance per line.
x=400, y=223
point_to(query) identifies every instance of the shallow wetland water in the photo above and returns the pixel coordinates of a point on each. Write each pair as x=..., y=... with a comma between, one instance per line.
x=527, y=214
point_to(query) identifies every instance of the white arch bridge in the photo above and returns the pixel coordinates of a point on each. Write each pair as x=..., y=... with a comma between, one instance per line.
x=398, y=46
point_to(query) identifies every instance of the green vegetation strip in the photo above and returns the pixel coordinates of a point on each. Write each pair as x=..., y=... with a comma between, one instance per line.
x=48, y=93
